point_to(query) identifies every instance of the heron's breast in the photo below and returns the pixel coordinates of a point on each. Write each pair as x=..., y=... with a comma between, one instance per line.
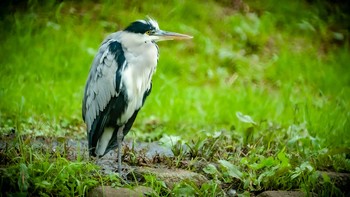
x=136, y=80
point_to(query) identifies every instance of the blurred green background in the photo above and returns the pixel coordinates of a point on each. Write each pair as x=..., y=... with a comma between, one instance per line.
x=259, y=96
x=286, y=65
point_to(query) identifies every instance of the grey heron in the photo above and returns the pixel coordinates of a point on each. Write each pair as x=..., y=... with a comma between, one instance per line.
x=119, y=81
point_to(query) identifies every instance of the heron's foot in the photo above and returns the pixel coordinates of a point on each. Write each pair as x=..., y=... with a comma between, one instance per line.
x=130, y=175
x=124, y=172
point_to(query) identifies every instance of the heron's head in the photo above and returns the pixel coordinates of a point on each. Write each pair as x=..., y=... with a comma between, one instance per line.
x=149, y=29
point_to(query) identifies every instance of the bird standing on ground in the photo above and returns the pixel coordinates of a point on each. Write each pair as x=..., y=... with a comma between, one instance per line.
x=119, y=81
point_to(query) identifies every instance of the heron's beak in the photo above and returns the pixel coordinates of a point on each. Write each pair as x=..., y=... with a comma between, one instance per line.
x=161, y=35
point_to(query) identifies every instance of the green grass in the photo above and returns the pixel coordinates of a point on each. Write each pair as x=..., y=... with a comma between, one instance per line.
x=283, y=64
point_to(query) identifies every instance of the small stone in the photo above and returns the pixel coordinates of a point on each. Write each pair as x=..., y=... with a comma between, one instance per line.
x=232, y=192
x=173, y=176
x=285, y=193
x=108, y=191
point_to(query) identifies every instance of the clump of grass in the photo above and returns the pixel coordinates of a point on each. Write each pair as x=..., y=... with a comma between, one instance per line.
x=191, y=189
x=38, y=170
x=158, y=186
x=246, y=161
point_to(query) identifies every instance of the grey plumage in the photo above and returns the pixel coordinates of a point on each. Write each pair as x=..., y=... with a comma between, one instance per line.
x=101, y=84
x=119, y=82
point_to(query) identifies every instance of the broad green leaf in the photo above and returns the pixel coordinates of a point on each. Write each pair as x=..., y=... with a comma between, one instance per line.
x=326, y=178
x=44, y=184
x=245, y=118
x=295, y=174
x=169, y=140
x=23, y=183
x=306, y=165
x=265, y=175
x=231, y=169
x=283, y=158
x=210, y=169
x=268, y=162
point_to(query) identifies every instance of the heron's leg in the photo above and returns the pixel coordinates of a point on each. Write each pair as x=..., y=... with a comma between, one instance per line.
x=120, y=136
x=98, y=159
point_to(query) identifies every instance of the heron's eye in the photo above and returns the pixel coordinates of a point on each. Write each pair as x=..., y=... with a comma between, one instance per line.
x=148, y=32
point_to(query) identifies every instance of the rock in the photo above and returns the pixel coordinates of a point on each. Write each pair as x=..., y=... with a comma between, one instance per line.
x=108, y=191
x=284, y=193
x=172, y=176
x=340, y=180
x=150, y=149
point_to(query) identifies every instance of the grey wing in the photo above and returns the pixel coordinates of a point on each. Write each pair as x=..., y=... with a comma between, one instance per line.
x=103, y=82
